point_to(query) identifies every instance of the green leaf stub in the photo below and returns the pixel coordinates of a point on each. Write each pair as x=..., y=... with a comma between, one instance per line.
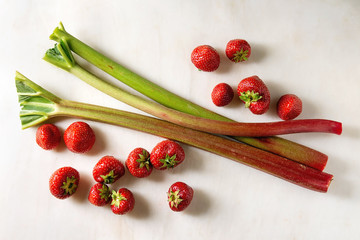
x=36, y=103
x=169, y=161
x=249, y=97
x=241, y=56
x=60, y=55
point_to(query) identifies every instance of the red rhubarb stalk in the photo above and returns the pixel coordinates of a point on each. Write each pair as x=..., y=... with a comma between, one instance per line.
x=38, y=105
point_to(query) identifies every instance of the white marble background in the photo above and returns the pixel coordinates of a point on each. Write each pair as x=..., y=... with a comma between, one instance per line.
x=310, y=48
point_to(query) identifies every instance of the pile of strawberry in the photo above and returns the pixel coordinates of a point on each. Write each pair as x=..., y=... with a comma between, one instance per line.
x=252, y=90
x=80, y=138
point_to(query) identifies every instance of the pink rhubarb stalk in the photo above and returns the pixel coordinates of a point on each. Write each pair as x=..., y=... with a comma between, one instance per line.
x=38, y=105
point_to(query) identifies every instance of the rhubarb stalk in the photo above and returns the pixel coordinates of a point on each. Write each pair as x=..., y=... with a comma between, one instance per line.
x=38, y=105
x=277, y=145
x=61, y=56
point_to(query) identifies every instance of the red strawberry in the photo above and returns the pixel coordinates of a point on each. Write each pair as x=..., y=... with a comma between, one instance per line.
x=289, y=107
x=238, y=50
x=138, y=163
x=205, y=58
x=222, y=94
x=99, y=194
x=79, y=137
x=254, y=93
x=167, y=154
x=123, y=201
x=179, y=196
x=48, y=136
x=108, y=170
x=64, y=182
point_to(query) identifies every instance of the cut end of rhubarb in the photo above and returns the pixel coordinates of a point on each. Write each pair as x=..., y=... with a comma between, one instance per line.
x=337, y=128
x=322, y=184
x=331, y=177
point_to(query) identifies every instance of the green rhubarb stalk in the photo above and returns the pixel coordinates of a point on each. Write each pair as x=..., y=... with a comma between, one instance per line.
x=38, y=105
x=277, y=145
x=61, y=56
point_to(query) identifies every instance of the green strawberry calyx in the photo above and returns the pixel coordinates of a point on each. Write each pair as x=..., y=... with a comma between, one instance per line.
x=104, y=192
x=240, y=56
x=144, y=160
x=174, y=198
x=109, y=178
x=117, y=198
x=169, y=162
x=249, y=97
x=69, y=185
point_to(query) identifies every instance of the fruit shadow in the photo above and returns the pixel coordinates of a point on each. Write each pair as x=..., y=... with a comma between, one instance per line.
x=199, y=204
x=100, y=143
x=225, y=64
x=276, y=91
x=258, y=53
x=236, y=103
x=193, y=161
x=142, y=207
x=82, y=192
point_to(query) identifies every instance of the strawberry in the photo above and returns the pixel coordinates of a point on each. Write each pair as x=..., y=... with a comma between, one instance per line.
x=123, y=201
x=238, y=50
x=99, y=194
x=108, y=170
x=222, y=94
x=48, y=136
x=255, y=94
x=205, y=58
x=138, y=163
x=79, y=137
x=179, y=196
x=167, y=154
x=289, y=106
x=64, y=182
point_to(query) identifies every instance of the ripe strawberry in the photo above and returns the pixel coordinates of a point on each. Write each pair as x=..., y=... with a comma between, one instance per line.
x=179, y=196
x=123, y=201
x=222, y=94
x=289, y=107
x=48, y=136
x=238, y=50
x=79, y=137
x=108, y=170
x=254, y=93
x=64, y=182
x=167, y=154
x=205, y=58
x=138, y=163
x=99, y=194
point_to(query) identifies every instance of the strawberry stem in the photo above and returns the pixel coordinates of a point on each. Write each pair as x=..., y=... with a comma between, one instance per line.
x=104, y=192
x=117, y=198
x=249, y=97
x=109, y=178
x=277, y=145
x=30, y=94
x=69, y=185
x=169, y=162
x=174, y=198
x=240, y=56
x=144, y=160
